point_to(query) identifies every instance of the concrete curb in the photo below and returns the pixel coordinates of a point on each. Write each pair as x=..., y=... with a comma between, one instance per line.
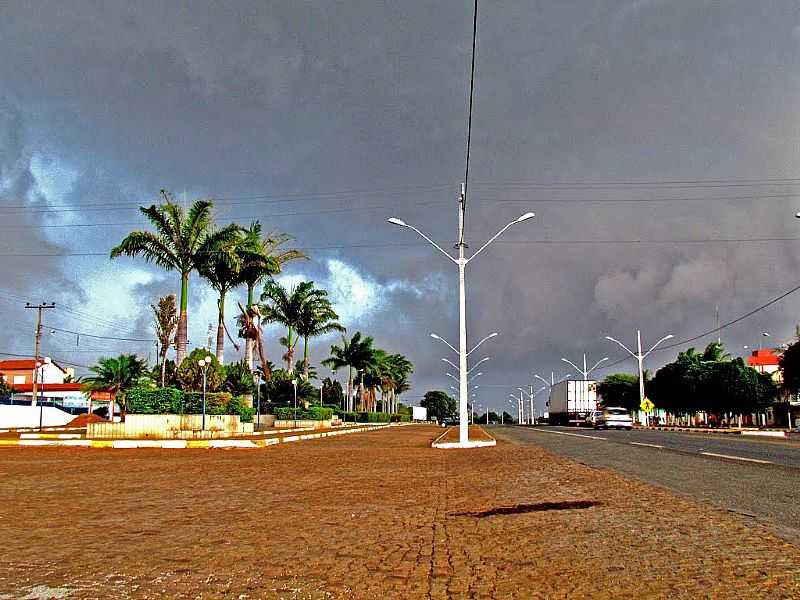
x=470, y=444
x=53, y=440
x=754, y=432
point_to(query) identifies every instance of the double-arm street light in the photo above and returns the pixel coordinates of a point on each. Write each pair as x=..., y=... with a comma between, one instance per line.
x=585, y=372
x=461, y=262
x=639, y=356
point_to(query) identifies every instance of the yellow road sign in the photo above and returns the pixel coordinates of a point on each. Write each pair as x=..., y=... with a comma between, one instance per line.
x=647, y=406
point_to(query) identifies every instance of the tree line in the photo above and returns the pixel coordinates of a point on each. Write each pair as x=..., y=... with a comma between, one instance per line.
x=709, y=381
x=230, y=257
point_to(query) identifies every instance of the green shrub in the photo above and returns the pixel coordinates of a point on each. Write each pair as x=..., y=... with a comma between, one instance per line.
x=400, y=418
x=148, y=401
x=373, y=417
x=314, y=413
x=216, y=403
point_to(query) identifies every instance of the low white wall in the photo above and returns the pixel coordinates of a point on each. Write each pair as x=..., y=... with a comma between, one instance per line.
x=169, y=427
x=17, y=416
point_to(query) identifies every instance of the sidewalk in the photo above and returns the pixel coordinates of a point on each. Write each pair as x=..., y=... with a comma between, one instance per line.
x=376, y=515
x=779, y=433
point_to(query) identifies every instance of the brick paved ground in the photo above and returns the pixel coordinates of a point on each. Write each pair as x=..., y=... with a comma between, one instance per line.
x=375, y=515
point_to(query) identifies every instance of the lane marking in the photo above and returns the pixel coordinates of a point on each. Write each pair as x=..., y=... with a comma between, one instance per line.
x=591, y=437
x=754, y=460
x=648, y=445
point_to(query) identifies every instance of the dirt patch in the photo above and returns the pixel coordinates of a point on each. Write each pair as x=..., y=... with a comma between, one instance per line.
x=368, y=516
x=84, y=419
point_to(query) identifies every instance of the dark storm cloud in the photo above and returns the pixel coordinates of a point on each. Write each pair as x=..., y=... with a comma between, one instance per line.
x=252, y=98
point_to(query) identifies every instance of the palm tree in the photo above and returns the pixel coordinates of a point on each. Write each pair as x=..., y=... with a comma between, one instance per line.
x=264, y=258
x=222, y=268
x=395, y=381
x=285, y=307
x=317, y=318
x=353, y=354
x=176, y=246
x=166, y=322
x=117, y=375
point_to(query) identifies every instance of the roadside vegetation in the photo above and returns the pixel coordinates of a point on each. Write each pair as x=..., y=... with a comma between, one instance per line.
x=228, y=258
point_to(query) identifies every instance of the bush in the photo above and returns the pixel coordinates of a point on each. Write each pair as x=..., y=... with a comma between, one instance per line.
x=315, y=413
x=216, y=403
x=148, y=401
x=373, y=417
x=400, y=418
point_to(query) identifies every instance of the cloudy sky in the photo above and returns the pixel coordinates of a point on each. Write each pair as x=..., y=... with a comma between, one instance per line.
x=657, y=142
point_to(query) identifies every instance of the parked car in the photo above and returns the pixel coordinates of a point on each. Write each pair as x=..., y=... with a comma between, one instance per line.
x=450, y=422
x=592, y=417
x=613, y=416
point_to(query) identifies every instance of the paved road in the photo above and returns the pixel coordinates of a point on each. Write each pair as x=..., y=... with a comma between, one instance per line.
x=759, y=478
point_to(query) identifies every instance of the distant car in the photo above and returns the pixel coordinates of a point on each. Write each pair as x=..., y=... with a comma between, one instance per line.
x=592, y=417
x=450, y=421
x=613, y=416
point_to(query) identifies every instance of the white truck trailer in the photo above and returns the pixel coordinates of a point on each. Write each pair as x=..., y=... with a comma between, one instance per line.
x=571, y=402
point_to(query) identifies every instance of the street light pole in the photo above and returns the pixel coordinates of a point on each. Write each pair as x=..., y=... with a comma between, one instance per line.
x=294, y=385
x=204, y=364
x=640, y=359
x=461, y=262
x=258, y=396
x=585, y=372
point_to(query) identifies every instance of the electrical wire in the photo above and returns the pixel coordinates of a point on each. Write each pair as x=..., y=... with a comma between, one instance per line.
x=469, y=117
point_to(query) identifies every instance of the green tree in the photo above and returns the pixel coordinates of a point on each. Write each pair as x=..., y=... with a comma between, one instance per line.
x=221, y=266
x=263, y=257
x=5, y=389
x=190, y=373
x=332, y=393
x=177, y=245
x=317, y=318
x=239, y=380
x=620, y=389
x=116, y=375
x=285, y=307
x=354, y=353
x=165, y=315
x=789, y=365
x=439, y=404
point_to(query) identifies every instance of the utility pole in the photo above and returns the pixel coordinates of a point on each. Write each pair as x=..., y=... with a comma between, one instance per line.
x=38, y=343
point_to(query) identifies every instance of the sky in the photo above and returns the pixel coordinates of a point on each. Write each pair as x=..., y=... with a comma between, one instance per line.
x=656, y=141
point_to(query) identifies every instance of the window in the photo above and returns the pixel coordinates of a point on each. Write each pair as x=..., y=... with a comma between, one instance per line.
x=19, y=379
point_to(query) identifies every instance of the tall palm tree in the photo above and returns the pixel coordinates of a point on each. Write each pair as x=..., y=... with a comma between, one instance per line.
x=285, y=307
x=395, y=379
x=317, y=318
x=265, y=257
x=117, y=375
x=222, y=268
x=176, y=246
x=352, y=354
x=165, y=315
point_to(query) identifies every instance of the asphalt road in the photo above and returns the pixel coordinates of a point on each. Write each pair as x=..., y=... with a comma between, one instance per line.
x=756, y=477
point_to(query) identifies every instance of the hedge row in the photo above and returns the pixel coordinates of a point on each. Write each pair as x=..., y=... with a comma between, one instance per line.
x=313, y=413
x=372, y=417
x=149, y=401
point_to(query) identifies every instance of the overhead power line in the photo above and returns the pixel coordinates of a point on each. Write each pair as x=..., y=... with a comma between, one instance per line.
x=102, y=337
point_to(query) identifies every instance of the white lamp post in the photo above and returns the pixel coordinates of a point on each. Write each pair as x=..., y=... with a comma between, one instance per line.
x=640, y=358
x=204, y=364
x=461, y=262
x=294, y=385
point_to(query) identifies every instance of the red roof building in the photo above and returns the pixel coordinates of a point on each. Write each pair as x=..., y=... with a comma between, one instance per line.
x=765, y=361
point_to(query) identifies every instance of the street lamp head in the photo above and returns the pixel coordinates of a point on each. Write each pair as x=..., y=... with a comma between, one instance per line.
x=294, y=382
x=396, y=221
x=764, y=333
x=436, y=337
x=797, y=215
x=669, y=337
x=202, y=362
x=491, y=335
x=525, y=217
x=47, y=360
